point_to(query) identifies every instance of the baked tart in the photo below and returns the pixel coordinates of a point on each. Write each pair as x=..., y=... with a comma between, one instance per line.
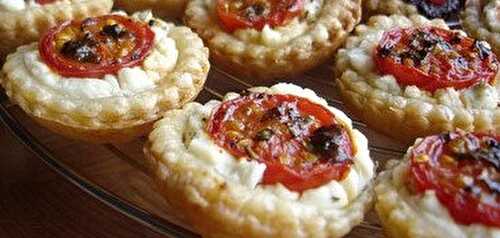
x=429, y=8
x=273, y=162
x=448, y=185
x=22, y=22
x=272, y=38
x=106, y=78
x=169, y=9
x=409, y=77
x=481, y=19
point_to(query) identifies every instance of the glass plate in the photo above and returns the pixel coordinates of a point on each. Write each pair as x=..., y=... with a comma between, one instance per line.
x=114, y=173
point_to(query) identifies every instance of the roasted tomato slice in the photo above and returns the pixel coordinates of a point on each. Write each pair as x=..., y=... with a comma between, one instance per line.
x=433, y=58
x=464, y=171
x=96, y=46
x=301, y=143
x=236, y=14
x=41, y=2
x=438, y=8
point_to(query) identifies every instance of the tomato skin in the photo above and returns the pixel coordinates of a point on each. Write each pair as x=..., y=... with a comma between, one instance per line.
x=247, y=116
x=42, y=2
x=280, y=12
x=450, y=74
x=464, y=206
x=144, y=38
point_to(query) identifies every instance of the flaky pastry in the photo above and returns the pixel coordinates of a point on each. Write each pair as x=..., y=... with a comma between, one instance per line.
x=103, y=100
x=406, y=111
x=253, y=48
x=223, y=195
x=22, y=23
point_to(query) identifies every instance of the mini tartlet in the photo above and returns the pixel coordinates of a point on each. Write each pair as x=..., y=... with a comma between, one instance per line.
x=235, y=170
x=446, y=186
x=272, y=39
x=170, y=9
x=410, y=77
x=106, y=78
x=22, y=22
x=481, y=19
x=428, y=8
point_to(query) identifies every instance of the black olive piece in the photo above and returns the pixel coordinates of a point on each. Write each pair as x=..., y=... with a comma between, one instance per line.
x=83, y=50
x=327, y=141
x=254, y=11
x=385, y=50
x=429, y=9
x=115, y=31
x=264, y=134
x=151, y=22
x=482, y=49
x=491, y=154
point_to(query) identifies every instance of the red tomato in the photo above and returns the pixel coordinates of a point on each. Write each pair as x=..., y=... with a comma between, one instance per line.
x=41, y=2
x=300, y=142
x=256, y=13
x=463, y=170
x=96, y=46
x=433, y=58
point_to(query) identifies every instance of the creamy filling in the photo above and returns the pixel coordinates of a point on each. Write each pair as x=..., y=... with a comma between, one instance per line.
x=360, y=57
x=249, y=172
x=428, y=207
x=17, y=5
x=127, y=81
x=492, y=14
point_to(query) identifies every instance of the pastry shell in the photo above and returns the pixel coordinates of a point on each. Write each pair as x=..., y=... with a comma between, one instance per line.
x=401, y=216
x=218, y=208
x=169, y=9
x=475, y=23
x=22, y=27
x=255, y=60
x=388, y=7
x=394, y=113
x=116, y=118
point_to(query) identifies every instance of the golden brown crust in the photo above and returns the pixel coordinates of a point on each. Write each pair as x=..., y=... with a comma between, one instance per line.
x=475, y=23
x=169, y=9
x=395, y=110
x=387, y=7
x=220, y=207
x=22, y=27
x=253, y=59
x=121, y=118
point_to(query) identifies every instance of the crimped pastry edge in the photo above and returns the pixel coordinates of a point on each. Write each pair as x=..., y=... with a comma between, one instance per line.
x=378, y=110
x=217, y=208
x=107, y=116
x=251, y=60
x=170, y=9
x=473, y=23
x=398, y=211
x=22, y=27
x=387, y=7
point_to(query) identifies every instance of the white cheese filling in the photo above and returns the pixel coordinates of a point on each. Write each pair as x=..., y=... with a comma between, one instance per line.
x=428, y=207
x=492, y=13
x=18, y=5
x=280, y=35
x=360, y=57
x=127, y=81
x=335, y=194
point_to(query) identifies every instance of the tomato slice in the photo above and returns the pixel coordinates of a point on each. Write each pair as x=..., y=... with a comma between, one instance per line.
x=433, y=58
x=96, y=46
x=300, y=142
x=463, y=170
x=256, y=14
x=42, y=2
